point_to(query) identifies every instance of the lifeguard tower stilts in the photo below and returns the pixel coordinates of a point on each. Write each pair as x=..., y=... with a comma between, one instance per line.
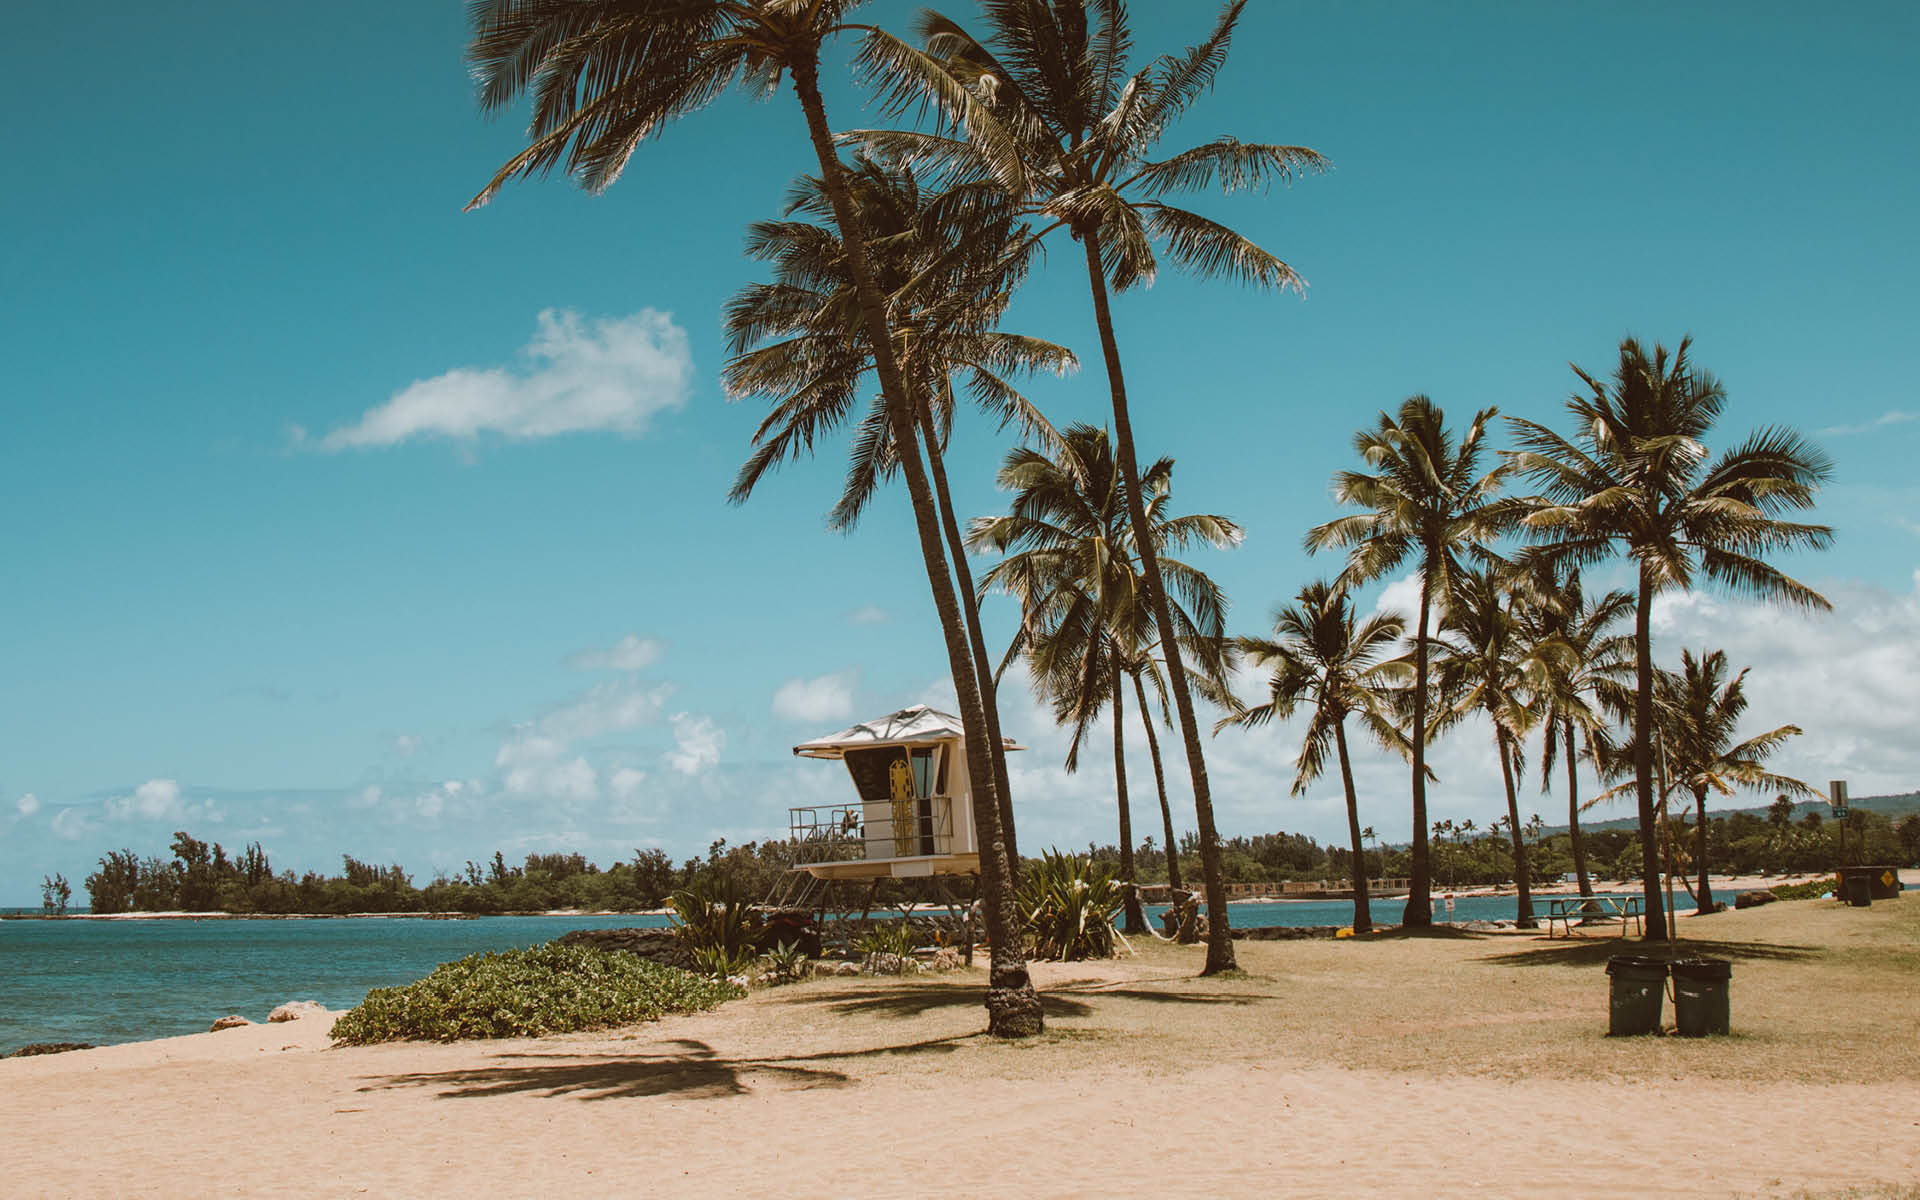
x=913, y=813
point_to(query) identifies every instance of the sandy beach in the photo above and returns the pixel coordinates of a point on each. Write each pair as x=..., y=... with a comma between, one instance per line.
x=1452, y=1064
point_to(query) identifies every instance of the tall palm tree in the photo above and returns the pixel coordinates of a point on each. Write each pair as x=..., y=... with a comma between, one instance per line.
x=604, y=76
x=800, y=340
x=1075, y=567
x=1696, y=710
x=1484, y=665
x=1553, y=607
x=1427, y=502
x=1635, y=478
x=1321, y=656
x=1050, y=113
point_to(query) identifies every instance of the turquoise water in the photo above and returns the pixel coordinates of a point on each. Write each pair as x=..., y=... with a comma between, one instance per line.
x=121, y=981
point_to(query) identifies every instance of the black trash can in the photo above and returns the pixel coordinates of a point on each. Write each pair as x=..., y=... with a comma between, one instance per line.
x=1883, y=882
x=1856, y=886
x=1700, y=987
x=1634, y=994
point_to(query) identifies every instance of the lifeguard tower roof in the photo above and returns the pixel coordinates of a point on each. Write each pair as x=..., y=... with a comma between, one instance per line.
x=918, y=725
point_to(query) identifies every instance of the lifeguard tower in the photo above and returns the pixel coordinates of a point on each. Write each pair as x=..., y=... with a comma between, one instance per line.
x=913, y=812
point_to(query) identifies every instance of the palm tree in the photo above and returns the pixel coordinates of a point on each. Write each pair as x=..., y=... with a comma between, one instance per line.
x=1553, y=607
x=1635, y=478
x=1053, y=117
x=800, y=341
x=1075, y=568
x=1320, y=655
x=1428, y=502
x=1696, y=710
x=604, y=76
x=1483, y=666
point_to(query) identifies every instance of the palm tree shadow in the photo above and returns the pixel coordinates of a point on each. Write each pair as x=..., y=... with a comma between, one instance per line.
x=693, y=1071
x=1580, y=953
x=918, y=999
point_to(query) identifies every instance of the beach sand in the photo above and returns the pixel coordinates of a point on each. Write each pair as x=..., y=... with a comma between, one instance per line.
x=1395, y=1066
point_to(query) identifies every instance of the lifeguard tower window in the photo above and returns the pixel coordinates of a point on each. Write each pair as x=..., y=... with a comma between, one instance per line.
x=873, y=772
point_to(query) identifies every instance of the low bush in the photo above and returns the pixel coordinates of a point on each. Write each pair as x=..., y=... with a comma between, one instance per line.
x=717, y=926
x=1813, y=889
x=1067, y=904
x=528, y=993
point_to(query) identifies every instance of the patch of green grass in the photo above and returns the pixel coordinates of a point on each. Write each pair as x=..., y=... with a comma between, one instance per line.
x=528, y=993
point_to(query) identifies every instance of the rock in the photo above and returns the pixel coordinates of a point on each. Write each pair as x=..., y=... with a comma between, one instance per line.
x=293, y=1010
x=1753, y=899
x=831, y=967
x=944, y=959
x=655, y=945
x=230, y=1021
x=740, y=981
x=28, y=1051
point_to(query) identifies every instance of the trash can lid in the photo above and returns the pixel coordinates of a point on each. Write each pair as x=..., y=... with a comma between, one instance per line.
x=1702, y=968
x=1635, y=964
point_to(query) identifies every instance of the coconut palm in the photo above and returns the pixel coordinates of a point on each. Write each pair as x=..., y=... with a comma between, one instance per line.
x=1321, y=656
x=1048, y=111
x=1553, y=608
x=1484, y=664
x=1075, y=568
x=606, y=75
x=1427, y=503
x=1635, y=478
x=800, y=341
x=1696, y=711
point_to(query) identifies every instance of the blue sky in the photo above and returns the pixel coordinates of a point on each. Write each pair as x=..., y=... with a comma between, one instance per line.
x=336, y=517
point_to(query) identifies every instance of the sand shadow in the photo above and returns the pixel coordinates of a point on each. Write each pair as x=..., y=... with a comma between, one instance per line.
x=918, y=999
x=694, y=1070
x=1580, y=953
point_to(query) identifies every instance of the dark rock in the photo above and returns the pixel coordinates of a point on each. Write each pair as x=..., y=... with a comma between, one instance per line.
x=1753, y=899
x=655, y=945
x=49, y=1048
x=230, y=1021
x=1285, y=933
x=790, y=927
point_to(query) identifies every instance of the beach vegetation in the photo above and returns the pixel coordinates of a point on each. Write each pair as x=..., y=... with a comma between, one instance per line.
x=605, y=77
x=55, y=894
x=1322, y=656
x=716, y=924
x=537, y=992
x=1048, y=110
x=1068, y=903
x=1087, y=630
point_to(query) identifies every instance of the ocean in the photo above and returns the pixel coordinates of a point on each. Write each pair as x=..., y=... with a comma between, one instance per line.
x=121, y=981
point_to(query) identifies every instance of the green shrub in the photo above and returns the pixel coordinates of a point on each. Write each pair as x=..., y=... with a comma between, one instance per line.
x=1814, y=889
x=717, y=925
x=787, y=963
x=1067, y=904
x=893, y=937
x=528, y=993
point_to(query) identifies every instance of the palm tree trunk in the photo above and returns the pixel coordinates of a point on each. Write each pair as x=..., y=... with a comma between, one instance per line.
x=1362, y=903
x=1522, y=884
x=970, y=607
x=1419, y=910
x=1159, y=782
x=1013, y=1007
x=1656, y=913
x=1219, y=934
x=1573, y=811
x=1703, y=900
x=1136, y=920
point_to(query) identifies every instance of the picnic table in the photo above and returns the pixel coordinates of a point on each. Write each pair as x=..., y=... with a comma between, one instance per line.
x=1567, y=910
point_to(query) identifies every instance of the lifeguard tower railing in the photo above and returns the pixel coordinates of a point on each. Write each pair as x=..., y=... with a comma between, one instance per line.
x=833, y=833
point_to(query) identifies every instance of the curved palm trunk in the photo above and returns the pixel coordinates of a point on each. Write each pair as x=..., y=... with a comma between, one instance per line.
x=1362, y=904
x=1160, y=783
x=1643, y=759
x=1419, y=910
x=1219, y=934
x=1136, y=920
x=1573, y=811
x=1704, y=897
x=983, y=665
x=1522, y=883
x=1013, y=1007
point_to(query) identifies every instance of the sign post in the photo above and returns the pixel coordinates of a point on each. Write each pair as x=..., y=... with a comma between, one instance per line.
x=1837, y=800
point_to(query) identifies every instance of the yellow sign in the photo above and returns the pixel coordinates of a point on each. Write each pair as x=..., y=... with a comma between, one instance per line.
x=1888, y=877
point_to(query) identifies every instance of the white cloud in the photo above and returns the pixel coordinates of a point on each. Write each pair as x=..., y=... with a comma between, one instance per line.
x=606, y=375
x=366, y=797
x=406, y=745
x=1891, y=417
x=28, y=804
x=869, y=614
x=824, y=698
x=604, y=708
x=630, y=653
x=573, y=780
x=71, y=824
x=625, y=782
x=697, y=744
x=154, y=800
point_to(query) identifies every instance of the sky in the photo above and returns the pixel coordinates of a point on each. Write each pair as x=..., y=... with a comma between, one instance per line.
x=340, y=519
